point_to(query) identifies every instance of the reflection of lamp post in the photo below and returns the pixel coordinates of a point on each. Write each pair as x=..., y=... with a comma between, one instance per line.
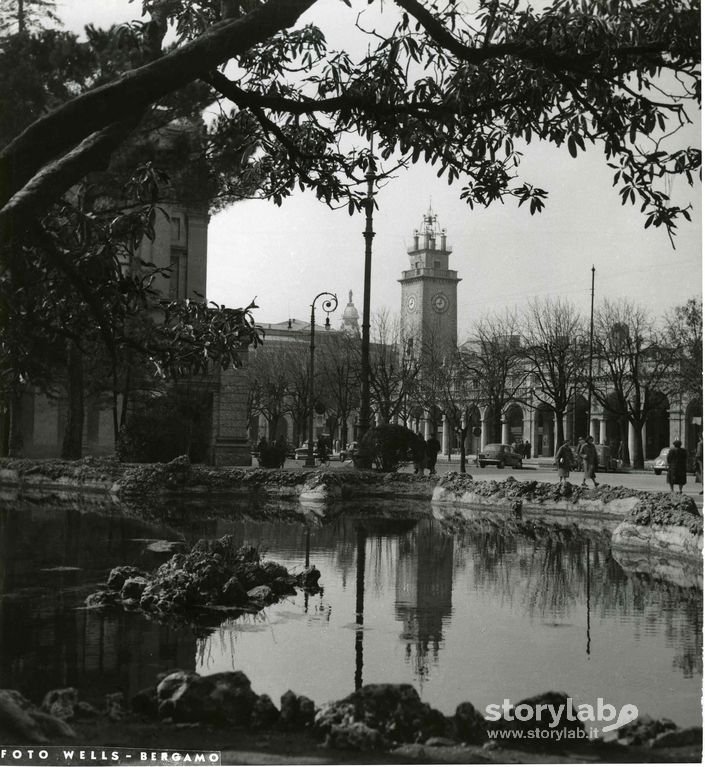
x=329, y=305
x=592, y=330
x=359, y=604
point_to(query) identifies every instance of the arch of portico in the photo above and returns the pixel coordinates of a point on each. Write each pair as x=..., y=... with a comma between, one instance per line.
x=544, y=432
x=657, y=429
x=693, y=424
x=513, y=424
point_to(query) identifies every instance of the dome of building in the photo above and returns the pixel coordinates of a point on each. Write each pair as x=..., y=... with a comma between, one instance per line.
x=351, y=317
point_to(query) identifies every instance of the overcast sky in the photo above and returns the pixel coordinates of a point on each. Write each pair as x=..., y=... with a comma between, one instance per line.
x=285, y=256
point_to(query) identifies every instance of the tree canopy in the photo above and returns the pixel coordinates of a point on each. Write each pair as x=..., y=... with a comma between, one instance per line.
x=465, y=90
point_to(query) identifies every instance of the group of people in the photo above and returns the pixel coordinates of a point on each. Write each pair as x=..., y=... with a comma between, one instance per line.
x=586, y=457
x=427, y=456
x=523, y=448
x=676, y=461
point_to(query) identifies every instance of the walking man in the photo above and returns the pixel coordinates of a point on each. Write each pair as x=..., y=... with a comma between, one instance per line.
x=433, y=448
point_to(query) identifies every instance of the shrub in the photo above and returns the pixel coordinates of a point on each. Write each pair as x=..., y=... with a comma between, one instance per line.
x=272, y=456
x=161, y=428
x=387, y=447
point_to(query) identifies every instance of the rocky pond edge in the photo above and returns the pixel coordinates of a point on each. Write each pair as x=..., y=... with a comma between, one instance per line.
x=221, y=710
x=658, y=523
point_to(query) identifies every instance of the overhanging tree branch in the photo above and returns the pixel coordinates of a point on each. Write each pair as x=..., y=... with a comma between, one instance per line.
x=96, y=109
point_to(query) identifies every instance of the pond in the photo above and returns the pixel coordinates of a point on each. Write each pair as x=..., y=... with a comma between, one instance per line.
x=478, y=612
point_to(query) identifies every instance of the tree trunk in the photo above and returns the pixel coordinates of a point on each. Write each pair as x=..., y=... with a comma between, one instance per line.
x=15, y=438
x=638, y=457
x=624, y=430
x=559, y=438
x=72, y=447
x=463, y=461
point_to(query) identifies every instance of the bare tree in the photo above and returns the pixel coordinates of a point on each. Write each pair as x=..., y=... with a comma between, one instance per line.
x=684, y=333
x=494, y=358
x=394, y=368
x=554, y=346
x=634, y=363
x=269, y=386
x=340, y=375
x=459, y=394
x=294, y=361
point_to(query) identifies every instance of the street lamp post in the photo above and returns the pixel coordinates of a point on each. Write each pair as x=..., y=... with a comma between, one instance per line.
x=368, y=234
x=330, y=304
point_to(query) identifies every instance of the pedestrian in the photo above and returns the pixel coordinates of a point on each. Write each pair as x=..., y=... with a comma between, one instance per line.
x=527, y=449
x=322, y=449
x=281, y=450
x=588, y=454
x=677, y=460
x=564, y=461
x=699, y=461
x=433, y=448
x=419, y=453
x=578, y=455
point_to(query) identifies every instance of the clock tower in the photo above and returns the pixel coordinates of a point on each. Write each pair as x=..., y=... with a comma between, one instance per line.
x=429, y=291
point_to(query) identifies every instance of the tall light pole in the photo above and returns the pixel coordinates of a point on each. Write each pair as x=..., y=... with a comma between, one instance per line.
x=329, y=305
x=592, y=329
x=364, y=420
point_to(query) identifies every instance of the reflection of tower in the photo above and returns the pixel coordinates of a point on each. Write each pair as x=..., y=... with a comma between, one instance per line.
x=424, y=591
x=429, y=289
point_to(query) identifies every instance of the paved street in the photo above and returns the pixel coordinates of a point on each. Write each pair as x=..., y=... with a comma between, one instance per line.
x=639, y=480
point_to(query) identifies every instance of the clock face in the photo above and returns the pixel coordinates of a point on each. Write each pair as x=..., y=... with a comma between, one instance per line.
x=411, y=303
x=440, y=303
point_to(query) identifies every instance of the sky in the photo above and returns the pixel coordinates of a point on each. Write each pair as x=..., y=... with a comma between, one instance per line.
x=286, y=256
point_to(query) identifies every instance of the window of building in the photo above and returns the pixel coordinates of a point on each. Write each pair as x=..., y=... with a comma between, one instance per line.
x=175, y=277
x=176, y=228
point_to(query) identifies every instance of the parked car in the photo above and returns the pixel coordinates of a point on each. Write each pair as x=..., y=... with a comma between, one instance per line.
x=660, y=463
x=347, y=453
x=301, y=453
x=500, y=456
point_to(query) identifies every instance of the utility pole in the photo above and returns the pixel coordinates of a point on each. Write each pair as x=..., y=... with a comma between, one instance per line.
x=364, y=420
x=592, y=330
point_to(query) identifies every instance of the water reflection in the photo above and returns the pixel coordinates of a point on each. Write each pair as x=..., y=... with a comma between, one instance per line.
x=423, y=593
x=462, y=614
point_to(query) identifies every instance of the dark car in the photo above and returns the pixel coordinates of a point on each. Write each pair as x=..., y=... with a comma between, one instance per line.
x=660, y=462
x=500, y=456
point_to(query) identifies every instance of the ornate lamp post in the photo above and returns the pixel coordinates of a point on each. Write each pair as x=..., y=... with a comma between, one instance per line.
x=329, y=305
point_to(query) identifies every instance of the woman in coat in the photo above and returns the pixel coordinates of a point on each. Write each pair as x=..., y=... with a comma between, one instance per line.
x=589, y=455
x=565, y=462
x=677, y=460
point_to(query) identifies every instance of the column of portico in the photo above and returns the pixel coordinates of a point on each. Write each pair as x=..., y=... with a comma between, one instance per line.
x=506, y=434
x=483, y=429
x=426, y=425
x=446, y=437
x=595, y=426
x=567, y=428
x=631, y=442
x=602, y=431
x=532, y=428
x=675, y=425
